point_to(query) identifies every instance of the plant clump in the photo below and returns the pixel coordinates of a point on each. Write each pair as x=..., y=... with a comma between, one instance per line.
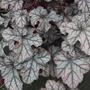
x=44, y=37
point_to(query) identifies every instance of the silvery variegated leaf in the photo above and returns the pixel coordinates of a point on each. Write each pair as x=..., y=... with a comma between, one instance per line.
x=7, y=18
x=25, y=38
x=46, y=71
x=20, y=18
x=78, y=30
x=51, y=35
x=52, y=68
x=4, y=4
x=30, y=72
x=40, y=14
x=2, y=20
x=52, y=85
x=63, y=17
x=71, y=69
x=62, y=28
x=84, y=5
x=14, y=4
x=2, y=45
x=75, y=9
x=10, y=74
x=18, y=66
x=72, y=50
x=53, y=50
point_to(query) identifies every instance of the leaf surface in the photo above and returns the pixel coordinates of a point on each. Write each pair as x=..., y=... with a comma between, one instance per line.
x=10, y=74
x=26, y=39
x=51, y=35
x=52, y=85
x=71, y=69
x=40, y=14
x=31, y=70
x=78, y=30
x=14, y=4
x=72, y=50
x=84, y=5
x=20, y=18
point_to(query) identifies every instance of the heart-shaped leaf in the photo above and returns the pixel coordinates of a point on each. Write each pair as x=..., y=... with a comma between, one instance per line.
x=40, y=14
x=20, y=18
x=52, y=85
x=14, y=4
x=71, y=69
x=26, y=39
x=10, y=74
x=30, y=72
x=78, y=30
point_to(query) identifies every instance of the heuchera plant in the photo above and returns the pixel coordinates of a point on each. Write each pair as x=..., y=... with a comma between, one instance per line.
x=45, y=37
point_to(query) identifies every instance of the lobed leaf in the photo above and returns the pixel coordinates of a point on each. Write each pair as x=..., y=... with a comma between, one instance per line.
x=71, y=69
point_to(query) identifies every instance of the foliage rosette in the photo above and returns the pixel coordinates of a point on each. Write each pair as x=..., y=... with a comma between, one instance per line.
x=47, y=38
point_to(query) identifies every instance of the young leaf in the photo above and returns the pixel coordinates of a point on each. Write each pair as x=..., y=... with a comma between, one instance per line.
x=52, y=85
x=31, y=70
x=10, y=74
x=71, y=69
x=40, y=14
x=26, y=39
x=20, y=18
x=51, y=35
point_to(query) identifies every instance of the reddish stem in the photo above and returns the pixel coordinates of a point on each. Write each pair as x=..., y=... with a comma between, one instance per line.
x=33, y=3
x=66, y=14
x=63, y=11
